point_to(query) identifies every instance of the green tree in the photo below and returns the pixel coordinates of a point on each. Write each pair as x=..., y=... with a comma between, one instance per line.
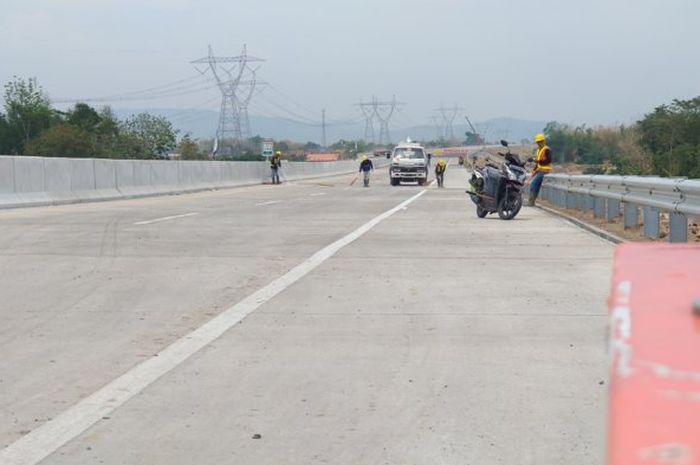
x=147, y=136
x=28, y=111
x=282, y=146
x=189, y=149
x=61, y=140
x=7, y=144
x=672, y=134
x=310, y=146
x=84, y=117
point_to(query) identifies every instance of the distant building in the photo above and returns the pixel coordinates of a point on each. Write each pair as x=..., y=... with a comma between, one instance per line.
x=326, y=156
x=454, y=151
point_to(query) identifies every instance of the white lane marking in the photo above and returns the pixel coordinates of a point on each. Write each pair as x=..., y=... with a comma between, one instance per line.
x=165, y=218
x=49, y=437
x=318, y=194
x=271, y=202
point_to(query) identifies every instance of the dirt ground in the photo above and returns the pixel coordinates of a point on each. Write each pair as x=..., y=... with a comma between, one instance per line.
x=632, y=234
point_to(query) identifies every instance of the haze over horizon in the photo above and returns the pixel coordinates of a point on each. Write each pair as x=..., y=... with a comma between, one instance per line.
x=596, y=63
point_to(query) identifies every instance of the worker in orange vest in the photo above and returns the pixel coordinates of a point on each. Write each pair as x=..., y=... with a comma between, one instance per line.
x=543, y=166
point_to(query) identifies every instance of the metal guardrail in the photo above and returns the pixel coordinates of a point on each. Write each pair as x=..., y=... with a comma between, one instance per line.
x=612, y=196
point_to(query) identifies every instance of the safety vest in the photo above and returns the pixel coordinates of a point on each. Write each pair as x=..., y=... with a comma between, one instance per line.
x=547, y=167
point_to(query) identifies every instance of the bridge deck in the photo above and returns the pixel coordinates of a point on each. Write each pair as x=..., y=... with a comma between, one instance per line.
x=430, y=337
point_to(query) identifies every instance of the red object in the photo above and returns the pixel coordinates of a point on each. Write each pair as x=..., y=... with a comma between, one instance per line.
x=330, y=156
x=654, y=407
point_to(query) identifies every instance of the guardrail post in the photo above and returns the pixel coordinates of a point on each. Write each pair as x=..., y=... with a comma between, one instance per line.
x=588, y=202
x=570, y=200
x=598, y=207
x=580, y=202
x=679, y=228
x=613, y=210
x=631, y=215
x=652, y=228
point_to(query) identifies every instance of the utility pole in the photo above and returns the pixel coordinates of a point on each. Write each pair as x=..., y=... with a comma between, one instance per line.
x=323, y=126
x=236, y=94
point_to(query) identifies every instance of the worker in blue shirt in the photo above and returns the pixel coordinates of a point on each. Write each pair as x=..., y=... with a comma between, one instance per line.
x=366, y=167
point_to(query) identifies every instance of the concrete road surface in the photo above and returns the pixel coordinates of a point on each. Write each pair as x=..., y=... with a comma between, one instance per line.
x=385, y=326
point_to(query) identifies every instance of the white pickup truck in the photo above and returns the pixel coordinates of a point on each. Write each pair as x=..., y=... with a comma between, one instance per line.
x=409, y=162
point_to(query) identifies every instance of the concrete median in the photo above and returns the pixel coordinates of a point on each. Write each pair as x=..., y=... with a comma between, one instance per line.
x=37, y=181
x=7, y=182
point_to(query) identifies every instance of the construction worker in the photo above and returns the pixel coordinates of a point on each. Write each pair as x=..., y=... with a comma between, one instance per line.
x=365, y=167
x=275, y=165
x=440, y=168
x=543, y=166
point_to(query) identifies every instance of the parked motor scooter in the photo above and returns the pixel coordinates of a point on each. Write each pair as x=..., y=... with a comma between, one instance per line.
x=498, y=189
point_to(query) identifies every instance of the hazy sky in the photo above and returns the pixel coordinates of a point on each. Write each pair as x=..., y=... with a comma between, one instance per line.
x=594, y=61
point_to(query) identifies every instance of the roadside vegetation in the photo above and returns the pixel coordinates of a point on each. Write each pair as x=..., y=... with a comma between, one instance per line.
x=666, y=142
x=31, y=126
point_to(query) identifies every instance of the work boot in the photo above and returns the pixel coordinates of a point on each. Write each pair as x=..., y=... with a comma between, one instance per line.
x=531, y=200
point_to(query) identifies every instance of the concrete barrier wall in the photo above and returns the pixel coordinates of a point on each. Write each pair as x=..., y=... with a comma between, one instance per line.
x=36, y=181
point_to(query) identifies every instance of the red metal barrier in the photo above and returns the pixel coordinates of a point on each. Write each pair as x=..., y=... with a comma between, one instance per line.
x=654, y=408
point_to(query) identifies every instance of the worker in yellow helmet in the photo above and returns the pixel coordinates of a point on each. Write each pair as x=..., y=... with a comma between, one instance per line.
x=366, y=166
x=440, y=168
x=543, y=166
x=275, y=165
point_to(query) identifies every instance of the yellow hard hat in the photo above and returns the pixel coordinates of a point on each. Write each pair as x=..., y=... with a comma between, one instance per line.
x=539, y=137
x=278, y=153
x=364, y=157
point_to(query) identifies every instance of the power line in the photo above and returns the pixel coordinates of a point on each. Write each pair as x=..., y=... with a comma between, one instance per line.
x=291, y=100
x=287, y=110
x=153, y=93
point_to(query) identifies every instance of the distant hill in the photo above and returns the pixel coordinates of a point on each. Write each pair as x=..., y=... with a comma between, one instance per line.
x=202, y=124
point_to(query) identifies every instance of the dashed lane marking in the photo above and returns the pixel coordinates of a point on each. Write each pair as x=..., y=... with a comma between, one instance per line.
x=50, y=436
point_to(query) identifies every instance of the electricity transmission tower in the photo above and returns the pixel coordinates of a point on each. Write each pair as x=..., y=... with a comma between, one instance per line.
x=437, y=120
x=382, y=111
x=448, y=118
x=236, y=81
x=247, y=90
x=369, y=111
